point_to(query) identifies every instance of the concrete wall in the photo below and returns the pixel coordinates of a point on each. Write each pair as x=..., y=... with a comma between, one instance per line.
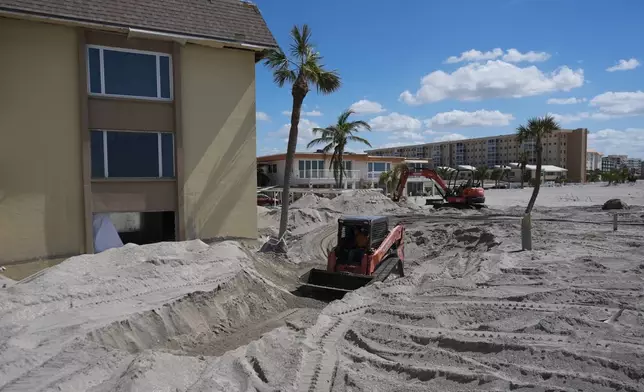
x=41, y=204
x=219, y=143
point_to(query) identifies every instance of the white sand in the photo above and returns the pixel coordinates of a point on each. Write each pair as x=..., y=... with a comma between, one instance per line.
x=471, y=314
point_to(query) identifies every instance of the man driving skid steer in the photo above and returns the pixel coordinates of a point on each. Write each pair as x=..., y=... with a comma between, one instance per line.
x=361, y=244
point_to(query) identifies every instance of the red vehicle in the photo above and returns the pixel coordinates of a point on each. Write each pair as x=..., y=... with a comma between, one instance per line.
x=265, y=200
x=468, y=195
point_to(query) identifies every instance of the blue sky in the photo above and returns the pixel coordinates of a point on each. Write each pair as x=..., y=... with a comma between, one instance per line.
x=427, y=70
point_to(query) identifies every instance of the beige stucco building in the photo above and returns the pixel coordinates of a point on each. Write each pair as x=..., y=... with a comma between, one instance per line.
x=105, y=109
x=565, y=148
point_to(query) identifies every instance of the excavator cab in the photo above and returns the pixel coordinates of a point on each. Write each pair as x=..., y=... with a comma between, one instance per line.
x=367, y=251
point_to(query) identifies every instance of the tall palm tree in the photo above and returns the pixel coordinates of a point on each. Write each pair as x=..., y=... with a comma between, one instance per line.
x=496, y=175
x=523, y=163
x=537, y=129
x=302, y=69
x=335, y=137
x=482, y=173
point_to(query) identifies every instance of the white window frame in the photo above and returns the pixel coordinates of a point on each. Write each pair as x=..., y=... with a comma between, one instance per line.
x=106, y=173
x=158, y=56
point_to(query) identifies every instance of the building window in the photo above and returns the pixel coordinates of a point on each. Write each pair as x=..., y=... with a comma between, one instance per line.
x=132, y=154
x=311, y=169
x=379, y=166
x=129, y=73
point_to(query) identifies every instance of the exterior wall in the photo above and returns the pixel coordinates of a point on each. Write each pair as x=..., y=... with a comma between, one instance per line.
x=41, y=199
x=576, y=154
x=219, y=143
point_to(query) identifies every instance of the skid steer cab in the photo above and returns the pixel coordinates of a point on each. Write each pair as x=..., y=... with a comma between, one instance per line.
x=367, y=251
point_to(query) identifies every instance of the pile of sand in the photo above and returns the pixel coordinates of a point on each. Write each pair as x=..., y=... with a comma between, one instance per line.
x=84, y=323
x=364, y=202
x=311, y=200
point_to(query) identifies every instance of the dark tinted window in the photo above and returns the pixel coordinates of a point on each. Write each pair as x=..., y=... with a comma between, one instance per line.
x=94, y=70
x=97, y=157
x=133, y=154
x=164, y=69
x=167, y=154
x=132, y=74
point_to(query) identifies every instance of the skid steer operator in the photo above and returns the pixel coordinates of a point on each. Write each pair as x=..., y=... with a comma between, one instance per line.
x=361, y=245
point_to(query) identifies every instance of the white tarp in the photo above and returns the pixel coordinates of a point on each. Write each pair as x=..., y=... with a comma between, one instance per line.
x=105, y=234
x=466, y=168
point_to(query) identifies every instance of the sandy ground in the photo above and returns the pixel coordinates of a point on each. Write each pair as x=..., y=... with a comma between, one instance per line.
x=472, y=313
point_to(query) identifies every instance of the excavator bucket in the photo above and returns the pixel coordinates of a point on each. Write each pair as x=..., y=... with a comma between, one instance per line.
x=339, y=282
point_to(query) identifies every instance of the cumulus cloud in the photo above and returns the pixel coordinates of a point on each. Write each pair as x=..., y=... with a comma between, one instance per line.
x=493, y=79
x=624, y=65
x=462, y=119
x=511, y=56
x=406, y=135
x=261, y=116
x=312, y=113
x=611, y=141
x=365, y=106
x=565, y=101
x=622, y=103
x=399, y=144
x=395, y=122
x=449, y=137
x=304, y=134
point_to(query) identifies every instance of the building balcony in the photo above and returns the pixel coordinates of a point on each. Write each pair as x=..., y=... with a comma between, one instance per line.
x=324, y=175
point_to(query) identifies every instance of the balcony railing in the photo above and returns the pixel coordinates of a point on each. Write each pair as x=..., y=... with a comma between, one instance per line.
x=325, y=174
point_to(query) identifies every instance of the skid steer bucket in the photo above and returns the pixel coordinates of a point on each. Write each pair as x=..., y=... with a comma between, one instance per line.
x=334, y=281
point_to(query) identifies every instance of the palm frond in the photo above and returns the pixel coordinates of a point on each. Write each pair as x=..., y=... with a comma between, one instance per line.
x=276, y=59
x=358, y=139
x=283, y=76
x=355, y=125
x=301, y=44
x=321, y=140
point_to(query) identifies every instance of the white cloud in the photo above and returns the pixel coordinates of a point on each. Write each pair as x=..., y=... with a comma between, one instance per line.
x=511, y=56
x=449, y=137
x=461, y=119
x=475, y=55
x=514, y=56
x=399, y=144
x=312, y=113
x=261, y=116
x=622, y=103
x=395, y=122
x=624, y=65
x=304, y=133
x=565, y=101
x=610, y=141
x=494, y=79
x=365, y=106
x=406, y=135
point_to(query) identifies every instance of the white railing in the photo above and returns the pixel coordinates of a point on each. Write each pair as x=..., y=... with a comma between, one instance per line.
x=325, y=174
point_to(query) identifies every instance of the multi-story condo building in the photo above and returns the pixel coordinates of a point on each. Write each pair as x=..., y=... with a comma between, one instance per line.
x=565, y=148
x=593, y=160
x=613, y=162
x=134, y=107
x=634, y=165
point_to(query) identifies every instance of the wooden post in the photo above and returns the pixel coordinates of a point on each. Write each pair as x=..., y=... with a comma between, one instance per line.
x=615, y=222
x=526, y=232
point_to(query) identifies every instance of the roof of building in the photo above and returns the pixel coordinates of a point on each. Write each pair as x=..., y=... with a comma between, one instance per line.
x=222, y=20
x=320, y=155
x=547, y=168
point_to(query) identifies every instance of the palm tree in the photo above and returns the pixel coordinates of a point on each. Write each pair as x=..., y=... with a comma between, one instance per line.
x=523, y=163
x=335, y=137
x=443, y=172
x=482, y=173
x=496, y=175
x=391, y=178
x=537, y=129
x=302, y=69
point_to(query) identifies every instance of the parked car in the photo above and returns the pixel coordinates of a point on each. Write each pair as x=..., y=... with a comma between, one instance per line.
x=265, y=200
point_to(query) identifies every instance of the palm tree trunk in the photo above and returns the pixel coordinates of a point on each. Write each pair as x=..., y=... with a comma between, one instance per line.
x=537, y=185
x=341, y=168
x=522, y=177
x=298, y=99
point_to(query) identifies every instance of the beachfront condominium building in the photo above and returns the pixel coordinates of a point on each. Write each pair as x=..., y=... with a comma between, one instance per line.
x=593, y=160
x=565, y=148
x=634, y=165
x=613, y=162
x=313, y=169
x=143, y=107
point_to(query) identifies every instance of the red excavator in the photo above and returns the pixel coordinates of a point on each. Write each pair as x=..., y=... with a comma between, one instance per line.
x=367, y=251
x=467, y=195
